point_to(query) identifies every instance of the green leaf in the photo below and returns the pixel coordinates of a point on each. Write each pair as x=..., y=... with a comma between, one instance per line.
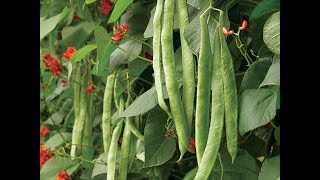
x=273, y=74
x=255, y=74
x=257, y=107
x=270, y=169
x=119, y=8
x=136, y=67
x=158, y=148
x=57, y=140
x=90, y=1
x=46, y=26
x=142, y=104
x=195, y=3
x=244, y=167
x=57, y=117
x=56, y=164
x=258, y=18
x=104, y=49
x=191, y=174
x=69, y=70
x=121, y=57
x=277, y=135
x=99, y=167
x=81, y=53
x=278, y=99
x=271, y=33
x=76, y=35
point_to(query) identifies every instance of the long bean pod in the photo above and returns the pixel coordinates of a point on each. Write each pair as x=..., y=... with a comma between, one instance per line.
x=203, y=90
x=187, y=64
x=217, y=114
x=76, y=106
x=176, y=105
x=106, y=115
x=114, y=145
x=157, y=66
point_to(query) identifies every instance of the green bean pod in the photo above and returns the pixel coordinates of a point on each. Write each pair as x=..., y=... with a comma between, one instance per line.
x=203, y=90
x=114, y=145
x=176, y=105
x=230, y=95
x=217, y=114
x=106, y=115
x=156, y=61
x=76, y=106
x=135, y=131
x=187, y=64
x=125, y=150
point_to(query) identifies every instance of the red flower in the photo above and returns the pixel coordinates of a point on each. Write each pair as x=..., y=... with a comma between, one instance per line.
x=45, y=155
x=192, y=145
x=244, y=25
x=226, y=31
x=148, y=55
x=51, y=63
x=75, y=18
x=266, y=126
x=69, y=52
x=106, y=7
x=63, y=175
x=120, y=31
x=44, y=131
x=90, y=87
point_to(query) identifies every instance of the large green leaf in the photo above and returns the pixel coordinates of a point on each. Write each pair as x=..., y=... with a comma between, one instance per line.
x=273, y=74
x=81, y=53
x=56, y=164
x=104, y=49
x=99, y=167
x=57, y=140
x=258, y=18
x=46, y=26
x=270, y=169
x=255, y=74
x=271, y=33
x=119, y=8
x=90, y=1
x=158, y=148
x=142, y=104
x=136, y=67
x=120, y=56
x=257, y=107
x=77, y=35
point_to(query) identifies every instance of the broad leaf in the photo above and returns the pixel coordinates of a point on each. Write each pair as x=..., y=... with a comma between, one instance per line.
x=158, y=148
x=76, y=35
x=270, y=169
x=56, y=164
x=271, y=33
x=99, y=167
x=195, y=3
x=46, y=26
x=104, y=49
x=257, y=107
x=83, y=52
x=277, y=135
x=255, y=74
x=127, y=51
x=57, y=117
x=142, y=104
x=273, y=74
x=119, y=8
x=258, y=18
x=136, y=67
x=57, y=140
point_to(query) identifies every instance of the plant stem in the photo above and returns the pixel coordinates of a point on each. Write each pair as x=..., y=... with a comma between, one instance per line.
x=150, y=46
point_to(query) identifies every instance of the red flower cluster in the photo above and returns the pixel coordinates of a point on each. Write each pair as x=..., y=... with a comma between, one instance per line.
x=148, y=55
x=226, y=31
x=106, y=7
x=120, y=32
x=192, y=146
x=63, y=175
x=44, y=131
x=90, y=87
x=45, y=154
x=69, y=52
x=170, y=133
x=51, y=63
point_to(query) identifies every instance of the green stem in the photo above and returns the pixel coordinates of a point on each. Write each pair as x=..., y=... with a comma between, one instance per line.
x=138, y=41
